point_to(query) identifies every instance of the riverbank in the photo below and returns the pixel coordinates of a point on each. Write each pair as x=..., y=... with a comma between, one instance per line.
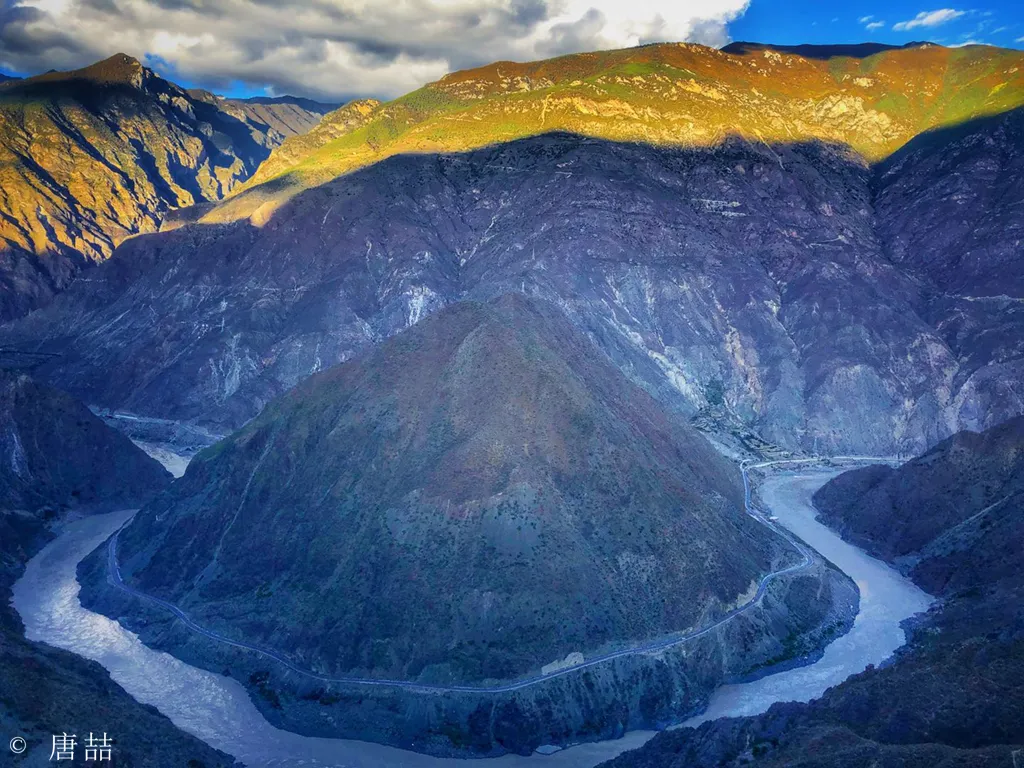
x=887, y=599
x=218, y=709
x=46, y=690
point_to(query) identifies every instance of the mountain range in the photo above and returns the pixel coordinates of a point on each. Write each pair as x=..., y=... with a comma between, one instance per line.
x=674, y=95
x=790, y=287
x=460, y=344
x=92, y=156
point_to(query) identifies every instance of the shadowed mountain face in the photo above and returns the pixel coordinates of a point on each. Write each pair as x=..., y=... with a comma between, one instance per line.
x=54, y=454
x=823, y=52
x=950, y=212
x=287, y=115
x=950, y=205
x=953, y=519
x=477, y=497
x=748, y=281
x=90, y=157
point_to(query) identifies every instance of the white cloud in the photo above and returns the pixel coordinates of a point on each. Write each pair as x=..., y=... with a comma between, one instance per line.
x=340, y=48
x=929, y=19
x=1019, y=40
x=865, y=19
x=874, y=25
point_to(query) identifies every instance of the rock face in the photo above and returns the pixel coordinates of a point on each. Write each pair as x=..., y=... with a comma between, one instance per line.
x=746, y=281
x=55, y=454
x=949, y=213
x=954, y=520
x=90, y=157
x=480, y=497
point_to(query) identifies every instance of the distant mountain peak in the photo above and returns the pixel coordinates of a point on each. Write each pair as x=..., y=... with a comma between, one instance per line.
x=311, y=104
x=828, y=51
x=119, y=69
x=131, y=146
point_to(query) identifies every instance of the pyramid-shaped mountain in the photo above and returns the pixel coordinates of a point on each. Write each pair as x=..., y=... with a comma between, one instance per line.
x=475, y=498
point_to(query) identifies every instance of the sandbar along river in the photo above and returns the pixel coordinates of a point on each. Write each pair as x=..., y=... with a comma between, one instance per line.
x=218, y=710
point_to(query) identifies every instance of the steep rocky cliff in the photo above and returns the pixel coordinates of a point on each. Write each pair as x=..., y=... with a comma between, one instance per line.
x=949, y=212
x=953, y=519
x=90, y=157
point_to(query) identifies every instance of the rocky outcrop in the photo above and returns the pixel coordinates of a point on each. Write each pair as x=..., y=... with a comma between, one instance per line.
x=480, y=496
x=91, y=157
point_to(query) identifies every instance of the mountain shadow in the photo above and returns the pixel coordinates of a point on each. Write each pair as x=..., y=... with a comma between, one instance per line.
x=757, y=286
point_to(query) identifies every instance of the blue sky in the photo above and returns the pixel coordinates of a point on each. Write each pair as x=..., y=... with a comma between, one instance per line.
x=800, y=21
x=335, y=50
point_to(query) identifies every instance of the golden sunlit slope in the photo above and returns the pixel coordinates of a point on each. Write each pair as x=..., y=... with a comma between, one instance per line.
x=92, y=156
x=296, y=148
x=669, y=94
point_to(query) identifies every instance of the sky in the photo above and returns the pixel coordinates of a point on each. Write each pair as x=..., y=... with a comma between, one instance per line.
x=335, y=50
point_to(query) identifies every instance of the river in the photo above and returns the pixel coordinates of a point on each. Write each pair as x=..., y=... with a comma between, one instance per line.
x=218, y=710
